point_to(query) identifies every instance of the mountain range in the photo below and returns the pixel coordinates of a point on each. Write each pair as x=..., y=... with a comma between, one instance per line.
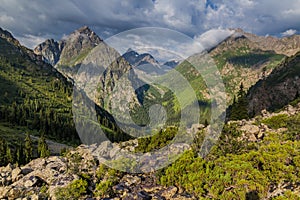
x=241, y=58
x=43, y=90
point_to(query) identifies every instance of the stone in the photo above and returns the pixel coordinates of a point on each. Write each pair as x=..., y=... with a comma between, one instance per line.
x=34, y=197
x=34, y=181
x=3, y=192
x=14, y=193
x=260, y=135
x=251, y=138
x=251, y=129
x=8, y=168
x=26, y=171
x=15, y=174
x=131, y=180
x=144, y=195
x=169, y=192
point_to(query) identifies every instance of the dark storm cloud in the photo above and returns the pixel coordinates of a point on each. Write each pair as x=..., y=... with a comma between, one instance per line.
x=33, y=21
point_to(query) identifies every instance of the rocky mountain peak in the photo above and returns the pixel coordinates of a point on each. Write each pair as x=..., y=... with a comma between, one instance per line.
x=84, y=29
x=85, y=33
x=50, y=51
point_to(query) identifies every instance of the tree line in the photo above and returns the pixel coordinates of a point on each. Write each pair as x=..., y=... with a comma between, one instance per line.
x=23, y=152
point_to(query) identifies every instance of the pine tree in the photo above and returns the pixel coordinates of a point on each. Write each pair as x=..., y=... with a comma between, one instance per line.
x=9, y=157
x=19, y=157
x=3, y=147
x=28, y=148
x=239, y=107
x=43, y=150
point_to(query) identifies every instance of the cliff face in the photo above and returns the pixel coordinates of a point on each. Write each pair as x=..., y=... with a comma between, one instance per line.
x=50, y=51
x=278, y=89
x=240, y=59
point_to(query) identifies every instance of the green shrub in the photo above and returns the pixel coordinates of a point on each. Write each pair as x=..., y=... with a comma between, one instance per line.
x=278, y=121
x=104, y=188
x=74, y=190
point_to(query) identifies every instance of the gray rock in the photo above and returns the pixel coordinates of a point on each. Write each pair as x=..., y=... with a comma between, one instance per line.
x=15, y=174
x=144, y=195
x=169, y=192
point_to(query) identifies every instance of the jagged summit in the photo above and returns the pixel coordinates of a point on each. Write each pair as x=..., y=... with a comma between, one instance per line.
x=71, y=49
x=85, y=30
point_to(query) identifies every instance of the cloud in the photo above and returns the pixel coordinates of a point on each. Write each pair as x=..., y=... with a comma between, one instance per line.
x=213, y=37
x=192, y=17
x=31, y=41
x=166, y=44
x=289, y=32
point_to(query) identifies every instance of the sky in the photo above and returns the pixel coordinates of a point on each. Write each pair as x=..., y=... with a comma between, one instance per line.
x=33, y=21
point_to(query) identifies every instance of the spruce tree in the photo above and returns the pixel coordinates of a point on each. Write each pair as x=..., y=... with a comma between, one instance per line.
x=3, y=147
x=20, y=157
x=43, y=150
x=9, y=157
x=239, y=107
x=28, y=148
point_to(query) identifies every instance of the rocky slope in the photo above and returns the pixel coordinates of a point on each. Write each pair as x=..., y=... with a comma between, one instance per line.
x=71, y=49
x=240, y=59
x=286, y=45
x=50, y=178
x=42, y=178
x=278, y=89
x=102, y=67
x=50, y=51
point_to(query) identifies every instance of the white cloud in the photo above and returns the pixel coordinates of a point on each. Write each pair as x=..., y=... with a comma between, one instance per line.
x=213, y=37
x=106, y=18
x=31, y=41
x=289, y=32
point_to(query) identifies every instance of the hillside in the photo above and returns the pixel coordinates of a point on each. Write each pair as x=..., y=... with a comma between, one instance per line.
x=35, y=95
x=37, y=98
x=253, y=159
x=278, y=89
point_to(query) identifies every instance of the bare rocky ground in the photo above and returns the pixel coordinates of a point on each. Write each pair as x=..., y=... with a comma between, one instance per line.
x=40, y=178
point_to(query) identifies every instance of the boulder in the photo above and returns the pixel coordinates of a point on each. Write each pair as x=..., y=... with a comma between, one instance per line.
x=15, y=174
x=169, y=192
x=144, y=195
x=250, y=129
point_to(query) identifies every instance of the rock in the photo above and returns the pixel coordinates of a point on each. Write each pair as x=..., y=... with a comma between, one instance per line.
x=34, y=197
x=120, y=189
x=26, y=171
x=3, y=192
x=251, y=138
x=157, y=197
x=251, y=129
x=260, y=135
x=15, y=174
x=8, y=168
x=144, y=195
x=34, y=181
x=14, y=193
x=152, y=189
x=169, y=192
x=131, y=180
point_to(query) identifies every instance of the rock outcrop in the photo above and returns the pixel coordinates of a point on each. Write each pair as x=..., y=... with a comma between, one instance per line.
x=278, y=89
x=50, y=51
x=41, y=178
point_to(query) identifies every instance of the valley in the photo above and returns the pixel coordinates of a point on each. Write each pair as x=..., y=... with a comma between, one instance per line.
x=255, y=157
